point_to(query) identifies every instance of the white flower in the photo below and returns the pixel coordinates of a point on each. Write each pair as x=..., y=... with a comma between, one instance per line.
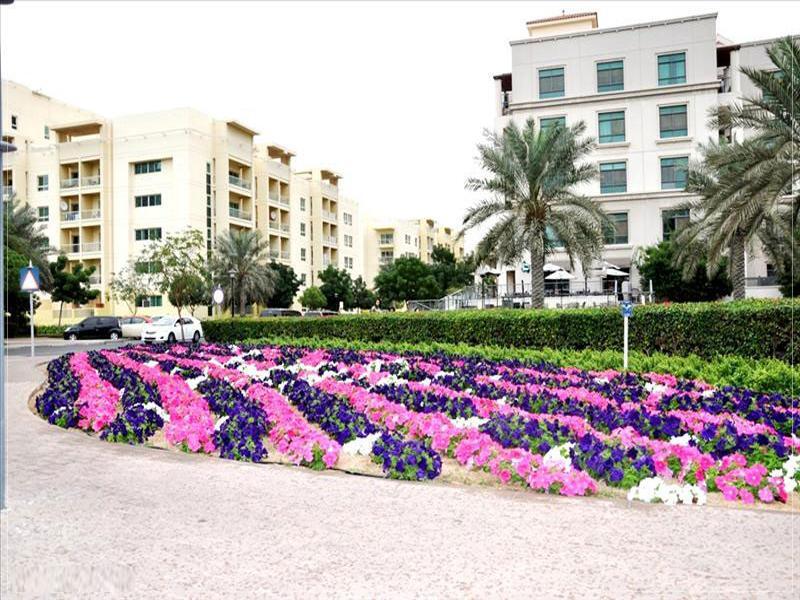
x=558, y=457
x=462, y=423
x=157, y=409
x=151, y=363
x=708, y=393
x=233, y=361
x=194, y=382
x=360, y=446
x=655, y=387
x=219, y=422
x=601, y=380
x=655, y=488
x=681, y=441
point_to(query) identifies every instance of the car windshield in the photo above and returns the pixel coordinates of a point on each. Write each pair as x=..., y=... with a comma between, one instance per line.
x=164, y=322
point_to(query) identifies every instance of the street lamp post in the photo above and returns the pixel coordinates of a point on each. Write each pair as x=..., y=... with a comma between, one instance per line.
x=232, y=275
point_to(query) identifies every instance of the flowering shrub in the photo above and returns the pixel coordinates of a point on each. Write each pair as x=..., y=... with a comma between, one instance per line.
x=559, y=430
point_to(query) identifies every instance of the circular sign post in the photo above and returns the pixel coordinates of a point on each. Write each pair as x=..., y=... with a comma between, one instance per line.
x=218, y=297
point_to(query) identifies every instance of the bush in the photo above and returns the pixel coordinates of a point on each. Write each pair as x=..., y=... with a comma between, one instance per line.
x=750, y=329
x=764, y=375
x=49, y=330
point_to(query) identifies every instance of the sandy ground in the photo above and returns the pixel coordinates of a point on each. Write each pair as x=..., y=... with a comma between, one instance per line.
x=88, y=519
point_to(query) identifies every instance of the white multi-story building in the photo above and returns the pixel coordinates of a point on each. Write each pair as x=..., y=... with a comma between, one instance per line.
x=644, y=92
x=104, y=189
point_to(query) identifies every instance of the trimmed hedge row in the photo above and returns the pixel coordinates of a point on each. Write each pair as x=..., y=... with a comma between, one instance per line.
x=764, y=375
x=49, y=330
x=750, y=328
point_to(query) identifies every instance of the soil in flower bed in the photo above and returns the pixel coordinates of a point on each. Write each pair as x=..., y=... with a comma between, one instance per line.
x=564, y=431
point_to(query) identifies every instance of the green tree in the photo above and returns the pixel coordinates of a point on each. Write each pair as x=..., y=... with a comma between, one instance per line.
x=313, y=299
x=131, y=282
x=743, y=186
x=189, y=289
x=17, y=302
x=27, y=237
x=406, y=278
x=532, y=207
x=449, y=272
x=363, y=297
x=337, y=286
x=286, y=285
x=70, y=286
x=782, y=246
x=659, y=266
x=246, y=255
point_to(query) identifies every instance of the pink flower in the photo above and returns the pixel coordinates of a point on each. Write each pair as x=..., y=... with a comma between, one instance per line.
x=746, y=496
x=765, y=495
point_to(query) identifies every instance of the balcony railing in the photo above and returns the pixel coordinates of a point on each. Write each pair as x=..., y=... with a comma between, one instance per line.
x=239, y=182
x=326, y=261
x=7, y=192
x=80, y=215
x=85, y=247
x=283, y=201
x=239, y=214
x=90, y=247
x=274, y=226
x=90, y=181
x=330, y=240
x=72, y=182
x=285, y=227
x=760, y=281
x=330, y=216
x=274, y=253
x=329, y=190
x=284, y=255
x=95, y=279
x=273, y=196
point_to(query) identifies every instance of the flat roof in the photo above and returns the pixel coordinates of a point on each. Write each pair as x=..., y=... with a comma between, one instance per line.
x=241, y=126
x=79, y=127
x=563, y=18
x=281, y=149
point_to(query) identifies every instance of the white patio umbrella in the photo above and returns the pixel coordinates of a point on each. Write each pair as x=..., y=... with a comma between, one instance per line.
x=560, y=275
x=609, y=265
x=551, y=267
x=616, y=273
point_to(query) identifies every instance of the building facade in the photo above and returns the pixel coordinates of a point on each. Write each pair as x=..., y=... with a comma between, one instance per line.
x=105, y=189
x=644, y=92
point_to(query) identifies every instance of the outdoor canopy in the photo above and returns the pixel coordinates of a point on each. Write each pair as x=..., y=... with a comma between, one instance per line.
x=560, y=275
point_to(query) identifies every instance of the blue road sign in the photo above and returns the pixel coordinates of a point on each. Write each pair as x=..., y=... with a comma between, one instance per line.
x=626, y=308
x=29, y=279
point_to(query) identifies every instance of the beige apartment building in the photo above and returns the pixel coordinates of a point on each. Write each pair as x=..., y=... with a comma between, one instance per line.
x=386, y=240
x=105, y=189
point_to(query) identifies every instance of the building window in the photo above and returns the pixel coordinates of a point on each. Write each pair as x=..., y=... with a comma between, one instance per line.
x=302, y=228
x=617, y=233
x=302, y=203
x=348, y=240
x=673, y=172
x=302, y=254
x=552, y=237
x=610, y=76
x=348, y=262
x=46, y=132
x=611, y=126
x=145, y=267
x=387, y=256
x=672, y=68
x=148, y=301
x=303, y=278
x=547, y=122
x=613, y=178
x=148, y=200
x=148, y=166
x=151, y=233
x=13, y=121
x=348, y=218
x=387, y=238
x=551, y=83
x=44, y=214
x=672, y=221
x=408, y=239
x=209, y=212
x=42, y=183
x=672, y=121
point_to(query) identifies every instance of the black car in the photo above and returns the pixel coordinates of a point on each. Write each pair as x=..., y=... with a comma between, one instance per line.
x=107, y=328
x=279, y=312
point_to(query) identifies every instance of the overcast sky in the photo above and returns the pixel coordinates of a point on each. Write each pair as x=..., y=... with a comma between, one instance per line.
x=394, y=96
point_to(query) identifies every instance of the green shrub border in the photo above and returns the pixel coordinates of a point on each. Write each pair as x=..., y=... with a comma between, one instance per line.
x=749, y=328
x=763, y=375
x=49, y=330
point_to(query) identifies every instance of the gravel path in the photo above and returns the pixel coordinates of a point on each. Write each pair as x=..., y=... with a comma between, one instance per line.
x=92, y=519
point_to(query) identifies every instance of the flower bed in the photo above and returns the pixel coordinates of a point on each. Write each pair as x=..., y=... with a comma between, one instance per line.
x=559, y=430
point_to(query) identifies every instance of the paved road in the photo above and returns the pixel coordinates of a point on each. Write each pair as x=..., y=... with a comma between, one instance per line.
x=95, y=520
x=46, y=348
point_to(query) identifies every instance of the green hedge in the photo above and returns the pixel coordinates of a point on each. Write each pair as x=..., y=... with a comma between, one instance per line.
x=752, y=329
x=764, y=375
x=49, y=330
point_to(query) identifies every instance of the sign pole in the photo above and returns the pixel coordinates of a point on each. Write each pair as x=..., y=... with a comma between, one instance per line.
x=625, y=342
x=30, y=299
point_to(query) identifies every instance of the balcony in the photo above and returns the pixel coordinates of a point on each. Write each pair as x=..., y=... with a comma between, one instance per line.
x=769, y=280
x=329, y=216
x=326, y=261
x=91, y=181
x=84, y=248
x=239, y=214
x=275, y=254
x=284, y=255
x=240, y=183
x=330, y=240
x=329, y=190
x=281, y=227
x=8, y=192
x=94, y=280
x=385, y=262
x=70, y=183
x=69, y=217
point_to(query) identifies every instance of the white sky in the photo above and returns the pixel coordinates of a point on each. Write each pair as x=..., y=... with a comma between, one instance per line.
x=392, y=95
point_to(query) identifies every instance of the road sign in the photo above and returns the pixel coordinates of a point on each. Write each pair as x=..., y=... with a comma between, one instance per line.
x=29, y=279
x=526, y=267
x=218, y=296
x=626, y=308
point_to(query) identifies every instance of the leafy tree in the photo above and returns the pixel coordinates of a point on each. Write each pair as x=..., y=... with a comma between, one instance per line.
x=745, y=185
x=70, y=286
x=406, y=278
x=246, y=254
x=363, y=297
x=313, y=299
x=782, y=246
x=286, y=285
x=131, y=282
x=450, y=273
x=189, y=289
x=17, y=301
x=26, y=236
x=337, y=286
x=532, y=206
x=658, y=264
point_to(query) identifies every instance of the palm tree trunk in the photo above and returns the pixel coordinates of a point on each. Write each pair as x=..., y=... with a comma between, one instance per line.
x=60, y=310
x=537, y=279
x=242, y=299
x=737, y=266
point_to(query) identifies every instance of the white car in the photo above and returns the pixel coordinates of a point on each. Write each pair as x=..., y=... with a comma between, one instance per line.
x=172, y=329
x=132, y=327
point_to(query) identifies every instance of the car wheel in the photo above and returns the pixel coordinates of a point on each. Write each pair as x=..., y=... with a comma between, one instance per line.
x=73, y=337
x=114, y=335
x=171, y=338
x=196, y=337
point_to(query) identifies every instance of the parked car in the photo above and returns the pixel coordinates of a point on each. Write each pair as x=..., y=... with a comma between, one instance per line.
x=172, y=329
x=94, y=328
x=132, y=326
x=320, y=313
x=280, y=312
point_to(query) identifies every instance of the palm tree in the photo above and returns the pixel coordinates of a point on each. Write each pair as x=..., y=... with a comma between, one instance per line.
x=244, y=254
x=743, y=187
x=533, y=206
x=25, y=235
